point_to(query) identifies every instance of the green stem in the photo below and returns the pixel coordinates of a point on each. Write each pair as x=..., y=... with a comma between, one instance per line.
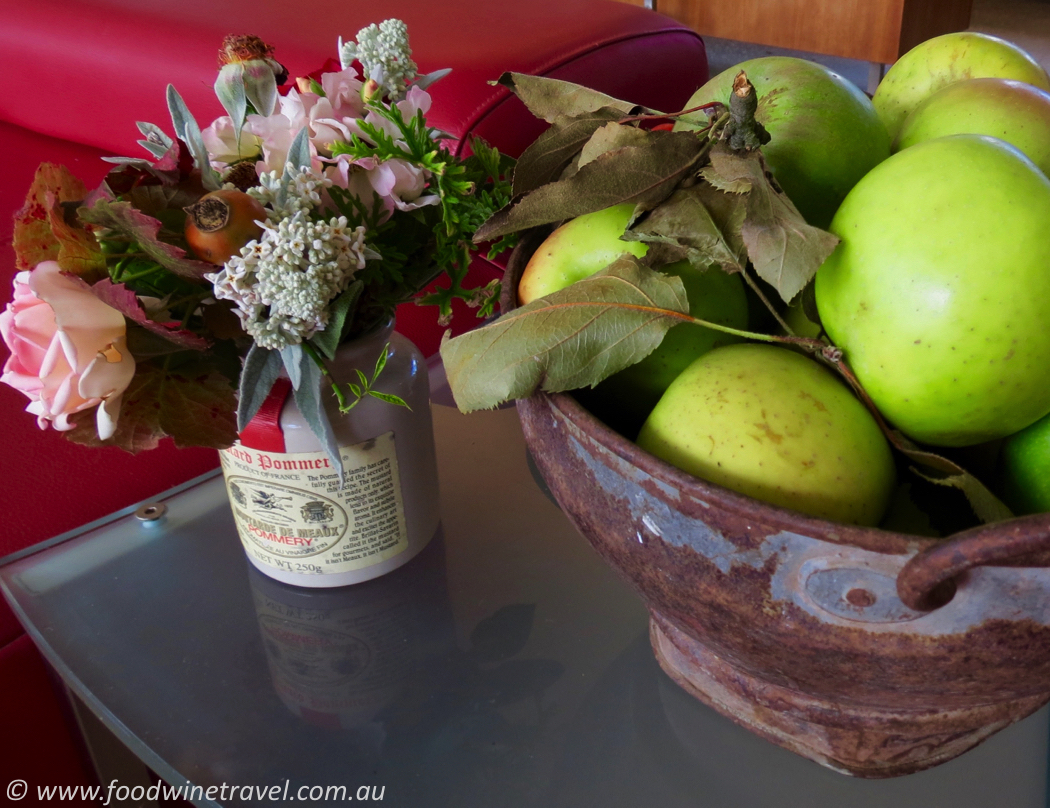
x=815, y=345
x=190, y=308
x=136, y=275
x=772, y=309
x=311, y=351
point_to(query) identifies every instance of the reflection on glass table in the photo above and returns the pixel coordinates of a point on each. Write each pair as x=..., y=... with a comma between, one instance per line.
x=505, y=666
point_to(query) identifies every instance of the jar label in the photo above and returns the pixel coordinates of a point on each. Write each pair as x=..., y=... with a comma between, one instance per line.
x=292, y=513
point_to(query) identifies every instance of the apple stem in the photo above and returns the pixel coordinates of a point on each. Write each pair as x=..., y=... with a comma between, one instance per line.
x=743, y=131
x=664, y=115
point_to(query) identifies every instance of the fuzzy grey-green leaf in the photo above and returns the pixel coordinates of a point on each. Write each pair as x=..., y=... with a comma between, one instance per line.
x=309, y=400
x=261, y=369
x=570, y=339
x=187, y=130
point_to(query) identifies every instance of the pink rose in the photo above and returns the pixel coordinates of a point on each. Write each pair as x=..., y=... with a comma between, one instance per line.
x=68, y=349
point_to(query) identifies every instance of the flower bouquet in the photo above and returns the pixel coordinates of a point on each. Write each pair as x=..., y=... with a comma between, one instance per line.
x=168, y=300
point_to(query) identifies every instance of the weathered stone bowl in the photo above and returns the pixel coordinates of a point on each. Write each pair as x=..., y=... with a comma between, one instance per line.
x=874, y=653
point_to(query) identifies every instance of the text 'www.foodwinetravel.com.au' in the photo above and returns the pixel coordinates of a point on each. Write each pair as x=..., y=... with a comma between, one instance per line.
x=116, y=793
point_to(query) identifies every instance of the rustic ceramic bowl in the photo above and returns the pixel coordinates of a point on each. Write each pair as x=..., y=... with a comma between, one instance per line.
x=874, y=653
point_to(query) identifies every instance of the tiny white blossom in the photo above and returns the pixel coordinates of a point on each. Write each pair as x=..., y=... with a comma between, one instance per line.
x=384, y=54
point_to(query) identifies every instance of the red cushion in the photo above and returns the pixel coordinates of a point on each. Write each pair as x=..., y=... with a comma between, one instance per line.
x=95, y=72
x=38, y=745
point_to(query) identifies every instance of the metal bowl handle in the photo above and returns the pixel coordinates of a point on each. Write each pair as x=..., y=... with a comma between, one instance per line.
x=927, y=581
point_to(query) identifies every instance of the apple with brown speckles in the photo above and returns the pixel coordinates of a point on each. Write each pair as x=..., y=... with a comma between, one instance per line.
x=770, y=423
x=939, y=291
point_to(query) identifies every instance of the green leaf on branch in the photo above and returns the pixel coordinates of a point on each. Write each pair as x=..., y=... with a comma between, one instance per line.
x=551, y=99
x=644, y=175
x=700, y=224
x=942, y=471
x=610, y=137
x=573, y=338
x=545, y=159
x=785, y=251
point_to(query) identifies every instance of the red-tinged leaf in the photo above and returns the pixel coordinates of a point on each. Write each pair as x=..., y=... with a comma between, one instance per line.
x=33, y=240
x=127, y=303
x=144, y=230
x=193, y=405
x=174, y=168
x=78, y=250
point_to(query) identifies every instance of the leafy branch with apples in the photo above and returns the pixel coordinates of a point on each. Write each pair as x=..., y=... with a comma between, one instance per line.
x=832, y=303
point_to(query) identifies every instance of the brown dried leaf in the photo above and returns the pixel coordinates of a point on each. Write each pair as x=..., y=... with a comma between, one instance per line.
x=545, y=159
x=703, y=223
x=785, y=251
x=551, y=99
x=643, y=175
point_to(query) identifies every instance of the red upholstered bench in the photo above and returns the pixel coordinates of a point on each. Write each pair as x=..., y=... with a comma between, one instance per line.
x=77, y=77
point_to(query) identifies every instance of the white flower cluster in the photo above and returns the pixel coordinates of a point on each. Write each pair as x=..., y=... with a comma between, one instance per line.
x=384, y=54
x=296, y=191
x=283, y=283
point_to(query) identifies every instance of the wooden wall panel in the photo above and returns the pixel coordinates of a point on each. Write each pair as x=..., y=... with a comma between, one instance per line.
x=868, y=30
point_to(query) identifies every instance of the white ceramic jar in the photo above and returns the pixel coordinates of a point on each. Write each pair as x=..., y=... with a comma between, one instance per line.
x=297, y=523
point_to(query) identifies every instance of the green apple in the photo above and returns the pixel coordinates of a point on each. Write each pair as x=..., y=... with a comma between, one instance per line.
x=1025, y=470
x=944, y=60
x=1009, y=110
x=824, y=132
x=939, y=291
x=770, y=423
x=576, y=250
x=625, y=399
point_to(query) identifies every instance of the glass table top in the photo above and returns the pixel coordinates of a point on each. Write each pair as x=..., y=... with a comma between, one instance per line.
x=505, y=666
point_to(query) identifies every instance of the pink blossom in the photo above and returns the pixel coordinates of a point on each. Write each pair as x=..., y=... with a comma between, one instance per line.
x=343, y=91
x=220, y=139
x=68, y=349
